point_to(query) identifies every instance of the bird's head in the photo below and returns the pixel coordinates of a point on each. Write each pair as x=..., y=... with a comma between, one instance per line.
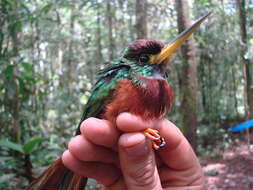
x=149, y=58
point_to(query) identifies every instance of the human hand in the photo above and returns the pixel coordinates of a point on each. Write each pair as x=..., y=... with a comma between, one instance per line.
x=127, y=161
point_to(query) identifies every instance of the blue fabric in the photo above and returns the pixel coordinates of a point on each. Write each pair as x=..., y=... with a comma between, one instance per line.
x=242, y=126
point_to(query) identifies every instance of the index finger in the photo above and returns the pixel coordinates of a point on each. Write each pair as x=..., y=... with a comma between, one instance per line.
x=100, y=132
x=177, y=153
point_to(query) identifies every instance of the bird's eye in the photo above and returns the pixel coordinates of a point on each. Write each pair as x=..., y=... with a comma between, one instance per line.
x=144, y=59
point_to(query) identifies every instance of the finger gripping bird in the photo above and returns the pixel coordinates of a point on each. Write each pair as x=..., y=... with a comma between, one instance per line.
x=134, y=82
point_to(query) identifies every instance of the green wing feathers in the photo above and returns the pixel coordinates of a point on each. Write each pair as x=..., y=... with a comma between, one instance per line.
x=103, y=90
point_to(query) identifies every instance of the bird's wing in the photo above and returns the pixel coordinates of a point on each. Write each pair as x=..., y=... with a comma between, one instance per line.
x=103, y=90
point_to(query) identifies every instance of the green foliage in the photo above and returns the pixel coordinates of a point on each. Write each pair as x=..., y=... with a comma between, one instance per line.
x=29, y=146
x=11, y=145
x=50, y=52
x=8, y=165
x=212, y=140
x=8, y=71
x=26, y=148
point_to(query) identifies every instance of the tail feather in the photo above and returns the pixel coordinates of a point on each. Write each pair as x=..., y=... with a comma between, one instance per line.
x=78, y=183
x=58, y=177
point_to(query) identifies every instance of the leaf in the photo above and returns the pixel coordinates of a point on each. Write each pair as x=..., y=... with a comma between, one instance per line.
x=11, y=145
x=10, y=2
x=8, y=71
x=22, y=85
x=18, y=26
x=30, y=145
x=29, y=79
x=46, y=8
x=27, y=66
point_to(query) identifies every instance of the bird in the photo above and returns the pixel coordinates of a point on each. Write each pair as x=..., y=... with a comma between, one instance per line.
x=134, y=82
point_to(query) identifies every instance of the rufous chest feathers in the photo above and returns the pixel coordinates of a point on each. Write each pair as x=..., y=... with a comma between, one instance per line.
x=149, y=99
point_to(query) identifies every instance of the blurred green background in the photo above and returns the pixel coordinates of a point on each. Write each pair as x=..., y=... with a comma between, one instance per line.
x=51, y=50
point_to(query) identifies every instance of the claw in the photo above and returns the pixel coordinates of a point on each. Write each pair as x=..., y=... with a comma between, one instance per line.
x=155, y=146
x=149, y=136
x=154, y=136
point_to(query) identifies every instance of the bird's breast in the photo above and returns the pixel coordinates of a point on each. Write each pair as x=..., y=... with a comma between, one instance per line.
x=150, y=99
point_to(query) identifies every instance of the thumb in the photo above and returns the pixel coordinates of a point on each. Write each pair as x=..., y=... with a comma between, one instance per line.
x=137, y=162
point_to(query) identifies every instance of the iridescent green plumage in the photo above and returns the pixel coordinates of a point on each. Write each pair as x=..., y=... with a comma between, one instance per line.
x=127, y=66
x=103, y=89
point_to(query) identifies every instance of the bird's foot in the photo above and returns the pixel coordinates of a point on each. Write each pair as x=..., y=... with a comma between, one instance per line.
x=154, y=136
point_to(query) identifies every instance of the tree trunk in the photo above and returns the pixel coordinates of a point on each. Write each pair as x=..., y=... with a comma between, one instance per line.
x=110, y=28
x=234, y=92
x=70, y=59
x=131, y=21
x=99, y=44
x=15, y=99
x=92, y=67
x=122, y=22
x=141, y=19
x=188, y=86
x=28, y=167
x=2, y=21
x=248, y=67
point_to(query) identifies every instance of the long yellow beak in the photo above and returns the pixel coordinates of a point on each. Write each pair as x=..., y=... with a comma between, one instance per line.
x=170, y=48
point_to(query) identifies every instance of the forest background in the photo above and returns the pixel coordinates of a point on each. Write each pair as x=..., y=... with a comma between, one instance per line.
x=51, y=50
